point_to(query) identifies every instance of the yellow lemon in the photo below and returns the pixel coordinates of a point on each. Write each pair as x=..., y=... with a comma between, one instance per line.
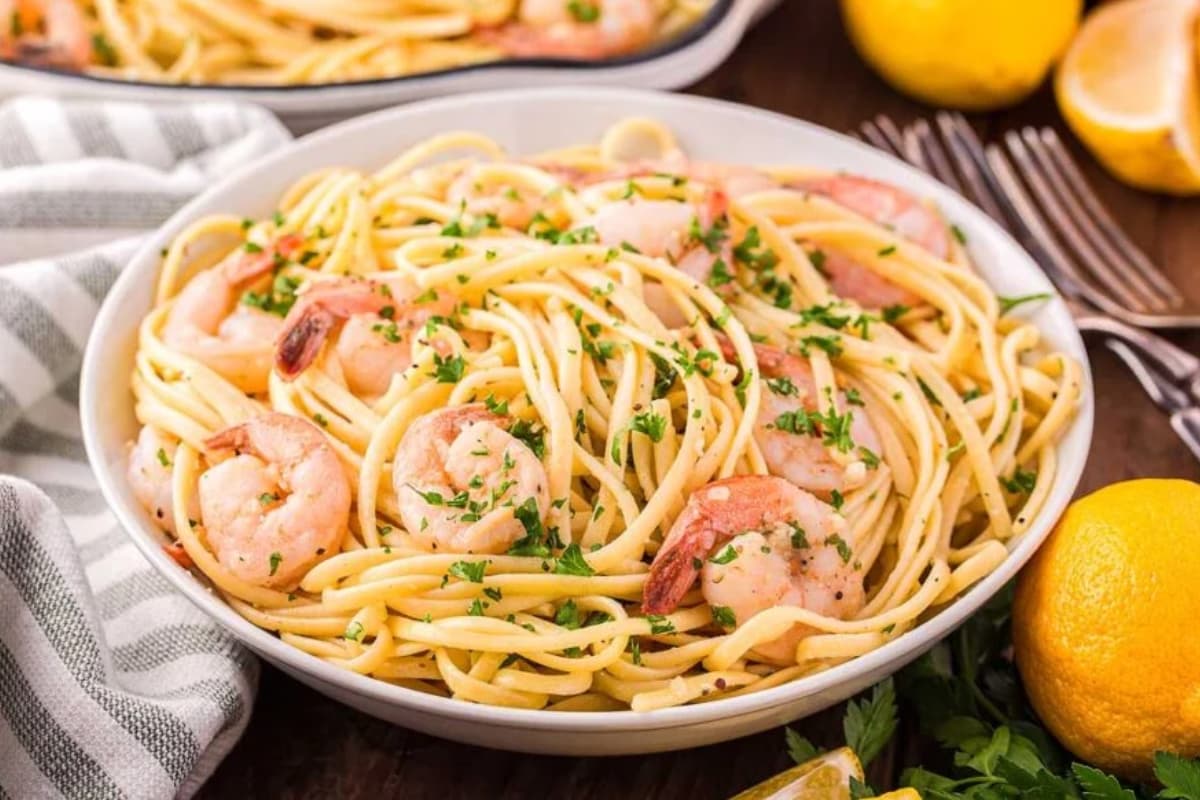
x=1105, y=625
x=969, y=54
x=826, y=777
x=1127, y=87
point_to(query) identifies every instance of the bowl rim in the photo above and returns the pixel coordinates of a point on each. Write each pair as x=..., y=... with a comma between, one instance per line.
x=713, y=17
x=896, y=652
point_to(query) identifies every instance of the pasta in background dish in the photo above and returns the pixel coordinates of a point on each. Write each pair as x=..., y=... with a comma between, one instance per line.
x=323, y=41
x=602, y=428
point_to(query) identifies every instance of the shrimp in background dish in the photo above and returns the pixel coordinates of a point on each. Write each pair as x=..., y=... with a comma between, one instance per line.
x=791, y=442
x=583, y=29
x=380, y=320
x=461, y=477
x=207, y=322
x=758, y=542
x=48, y=33
x=279, y=505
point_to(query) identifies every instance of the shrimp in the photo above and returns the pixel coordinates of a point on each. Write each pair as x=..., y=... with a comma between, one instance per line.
x=693, y=238
x=149, y=471
x=280, y=505
x=790, y=446
x=889, y=206
x=207, y=322
x=465, y=484
x=512, y=207
x=758, y=542
x=49, y=33
x=380, y=322
x=580, y=30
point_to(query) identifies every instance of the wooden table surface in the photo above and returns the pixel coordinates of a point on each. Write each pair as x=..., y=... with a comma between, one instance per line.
x=797, y=61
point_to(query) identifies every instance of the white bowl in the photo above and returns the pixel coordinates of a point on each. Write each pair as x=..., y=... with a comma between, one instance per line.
x=528, y=121
x=677, y=63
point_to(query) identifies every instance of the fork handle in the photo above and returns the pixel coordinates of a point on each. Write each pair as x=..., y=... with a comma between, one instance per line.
x=1182, y=366
x=1186, y=423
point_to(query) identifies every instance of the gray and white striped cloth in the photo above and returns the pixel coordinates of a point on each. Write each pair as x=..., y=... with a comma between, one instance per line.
x=111, y=684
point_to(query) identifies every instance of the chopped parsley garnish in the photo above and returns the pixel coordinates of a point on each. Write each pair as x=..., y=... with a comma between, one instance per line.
x=783, y=386
x=162, y=457
x=533, y=543
x=279, y=300
x=354, y=631
x=720, y=274
x=649, y=424
x=836, y=500
x=887, y=251
x=843, y=549
x=958, y=234
x=266, y=498
x=664, y=376
x=1007, y=304
x=532, y=435
x=799, y=538
x=494, y=593
x=495, y=406
x=725, y=556
x=252, y=247
x=823, y=315
x=583, y=11
x=1021, y=482
x=753, y=253
x=711, y=238
x=724, y=616
x=832, y=345
x=106, y=54
x=971, y=394
x=469, y=570
x=929, y=395
x=274, y=560
x=568, y=615
x=893, y=313
x=449, y=369
x=869, y=457
x=455, y=227
x=572, y=562
x=659, y=624
x=854, y=397
x=476, y=608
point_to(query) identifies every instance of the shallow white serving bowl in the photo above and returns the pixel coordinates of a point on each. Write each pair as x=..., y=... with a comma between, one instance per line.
x=677, y=63
x=528, y=121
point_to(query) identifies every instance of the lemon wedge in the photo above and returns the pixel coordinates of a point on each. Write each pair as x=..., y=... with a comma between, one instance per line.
x=826, y=777
x=1127, y=87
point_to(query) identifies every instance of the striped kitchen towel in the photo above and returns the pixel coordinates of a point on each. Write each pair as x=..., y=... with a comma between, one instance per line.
x=111, y=684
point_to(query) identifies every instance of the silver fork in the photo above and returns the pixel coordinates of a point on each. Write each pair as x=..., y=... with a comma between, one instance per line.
x=954, y=155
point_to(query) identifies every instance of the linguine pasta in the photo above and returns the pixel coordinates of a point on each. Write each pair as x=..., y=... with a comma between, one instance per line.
x=634, y=384
x=268, y=42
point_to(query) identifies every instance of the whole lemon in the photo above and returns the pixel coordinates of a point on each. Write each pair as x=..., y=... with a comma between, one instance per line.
x=968, y=54
x=1105, y=626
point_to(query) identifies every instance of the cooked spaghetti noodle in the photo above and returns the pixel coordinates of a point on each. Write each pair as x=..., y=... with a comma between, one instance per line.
x=582, y=346
x=267, y=42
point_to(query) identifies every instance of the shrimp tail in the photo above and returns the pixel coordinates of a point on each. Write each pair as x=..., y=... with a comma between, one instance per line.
x=671, y=575
x=301, y=340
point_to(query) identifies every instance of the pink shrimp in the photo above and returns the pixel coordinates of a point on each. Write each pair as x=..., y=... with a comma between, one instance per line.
x=460, y=478
x=149, y=470
x=580, y=30
x=758, y=542
x=49, y=33
x=792, y=448
x=887, y=205
x=207, y=322
x=280, y=505
x=380, y=320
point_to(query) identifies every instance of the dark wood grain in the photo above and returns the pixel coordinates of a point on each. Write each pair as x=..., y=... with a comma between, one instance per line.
x=798, y=62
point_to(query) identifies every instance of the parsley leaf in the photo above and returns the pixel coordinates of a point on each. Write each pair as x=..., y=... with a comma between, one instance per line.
x=725, y=556
x=1007, y=304
x=798, y=747
x=469, y=570
x=870, y=723
x=724, y=616
x=572, y=562
x=649, y=424
x=1180, y=777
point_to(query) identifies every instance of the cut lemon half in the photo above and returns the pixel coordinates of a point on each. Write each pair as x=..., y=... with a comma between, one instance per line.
x=1127, y=87
x=826, y=777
